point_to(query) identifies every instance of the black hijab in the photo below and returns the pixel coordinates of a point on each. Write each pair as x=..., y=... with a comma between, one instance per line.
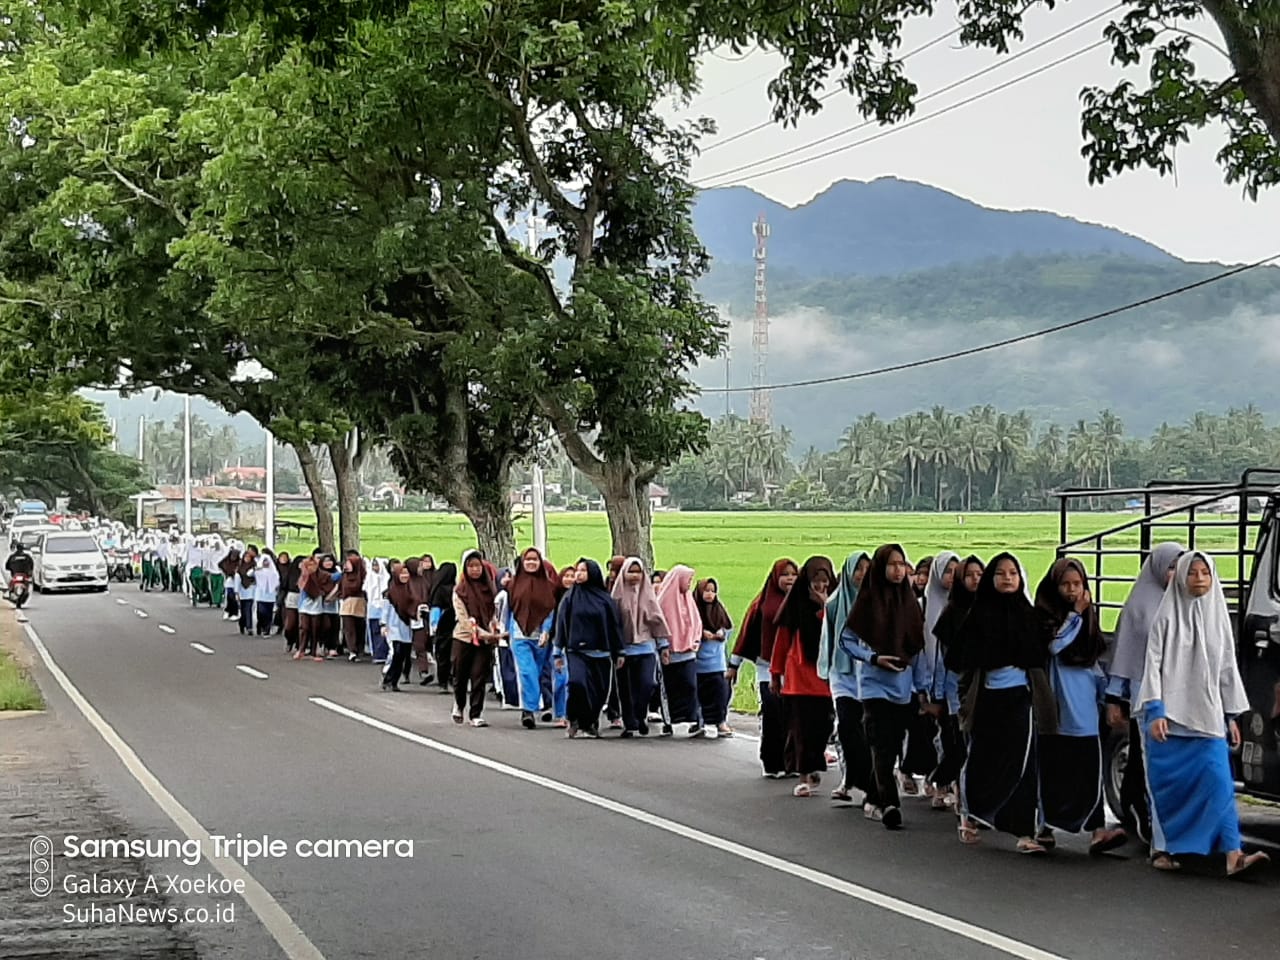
x=953, y=616
x=1089, y=644
x=1002, y=629
x=445, y=580
x=887, y=616
x=802, y=610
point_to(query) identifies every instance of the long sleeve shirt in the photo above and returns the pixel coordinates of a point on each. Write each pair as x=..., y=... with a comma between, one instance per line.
x=880, y=683
x=1079, y=690
x=799, y=677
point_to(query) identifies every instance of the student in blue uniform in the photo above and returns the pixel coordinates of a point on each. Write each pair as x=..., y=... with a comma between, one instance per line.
x=933, y=675
x=1190, y=697
x=713, y=688
x=1000, y=643
x=1070, y=766
x=588, y=644
x=644, y=639
x=964, y=587
x=840, y=670
x=531, y=601
x=1128, y=654
x=397, y=618
x=885, y=633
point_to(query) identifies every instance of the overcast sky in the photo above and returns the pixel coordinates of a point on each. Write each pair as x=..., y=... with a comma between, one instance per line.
x=1016, y=149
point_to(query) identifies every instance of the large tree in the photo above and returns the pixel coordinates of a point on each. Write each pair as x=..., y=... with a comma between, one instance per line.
x=856, y=44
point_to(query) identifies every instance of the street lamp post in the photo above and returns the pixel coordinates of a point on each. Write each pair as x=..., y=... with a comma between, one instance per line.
x=186, y=462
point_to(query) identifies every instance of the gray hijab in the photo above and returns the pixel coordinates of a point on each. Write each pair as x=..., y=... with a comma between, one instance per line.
x=1129, y=650
x=1191, y=660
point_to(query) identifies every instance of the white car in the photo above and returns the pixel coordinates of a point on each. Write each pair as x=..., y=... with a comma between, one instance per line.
x=26, y=521
x=67, y=560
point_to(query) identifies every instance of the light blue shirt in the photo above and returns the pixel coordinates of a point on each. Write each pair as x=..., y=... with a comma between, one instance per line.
x=878, y=683
x=1079, y=689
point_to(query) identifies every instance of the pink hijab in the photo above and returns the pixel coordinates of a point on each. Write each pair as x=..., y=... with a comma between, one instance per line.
x=641, y=618
x=675, y=598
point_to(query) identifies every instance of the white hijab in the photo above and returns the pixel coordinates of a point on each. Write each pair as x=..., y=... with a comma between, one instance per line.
x=1191, y=659
x=935, y=601
x=377, y=581
x=1129, y=649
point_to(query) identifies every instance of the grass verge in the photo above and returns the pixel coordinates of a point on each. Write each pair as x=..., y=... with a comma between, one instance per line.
x=17, y=690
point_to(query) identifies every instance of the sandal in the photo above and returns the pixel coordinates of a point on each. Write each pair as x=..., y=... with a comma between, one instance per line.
x=1046, y=839
x=1247, y=864
x=1110, y=840
x=802, y=790
x=968, y=833
x=938, y=802
x=1030, y=847
x=1162, y=861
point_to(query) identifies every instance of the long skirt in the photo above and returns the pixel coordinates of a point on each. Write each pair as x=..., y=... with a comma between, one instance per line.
x=1071, y=782
x=953, y=752
x=1135, y=810
x=559, y=689
x=713, y=698
x=811, y=723
x=777, y=750
x=680, y=680
x=530, y=662
x=589, y=681
x=920, y=756
x=507, y=681
x=217, y=589
x=998, y=785
x=1193, y=797
x=377, y=643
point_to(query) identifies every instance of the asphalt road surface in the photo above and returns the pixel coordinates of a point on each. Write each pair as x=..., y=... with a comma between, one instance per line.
x=529, y=845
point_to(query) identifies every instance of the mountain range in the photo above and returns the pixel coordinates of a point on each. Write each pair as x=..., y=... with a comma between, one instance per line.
x=877, y=274
x=889, y=272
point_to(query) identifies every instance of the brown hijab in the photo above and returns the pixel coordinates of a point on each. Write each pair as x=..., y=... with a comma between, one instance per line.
x=1089, y=643
x=887, y=616
x=477, y=595
x=401, y=597
x=532, y=595
x=803, y=609
x=755, y=642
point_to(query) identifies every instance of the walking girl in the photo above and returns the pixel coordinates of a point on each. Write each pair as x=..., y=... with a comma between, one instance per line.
x=713, y=690
x=645, y=635
x=532, y=602
x=679, y=666
x=474, y=638
x=588, y=645
x=755, y=645
x=840, y=670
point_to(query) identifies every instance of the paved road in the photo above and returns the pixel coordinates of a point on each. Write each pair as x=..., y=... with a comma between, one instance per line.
x=527, y=844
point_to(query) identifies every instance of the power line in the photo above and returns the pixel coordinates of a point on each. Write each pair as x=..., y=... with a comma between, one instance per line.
x=915, y=121
x=1004, y=61
x=826, y=96
x=1021, y=338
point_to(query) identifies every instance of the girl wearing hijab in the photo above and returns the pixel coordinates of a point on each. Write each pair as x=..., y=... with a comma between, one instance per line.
x=755, y=643
x=933, y=677
x=330, y=626
x=474, y=637
x=532, y=603
x=265, y=586
x=1070, y=761
x=793, y=670
x=353, y=608
x=1128, y=655
x=644, y=634
x=885, y=633
x=289, y=585
x=376, y=583
x=213, y=567
x=310, y=610
x=713, y=691
x=680, y=661
x=246, y=575
x=1001, y=642
x=441, y=620
x=398, y=616
x=613, y=706
x=964, y=587
x=1191, y=694
x=283, y=562
x=920, y=576
x=420, y=578
x=559, y=671
x=840, y=670
x=588, y=644
x=505, y=678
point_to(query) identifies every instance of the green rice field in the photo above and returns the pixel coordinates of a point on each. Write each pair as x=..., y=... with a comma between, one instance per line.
x=737, y=549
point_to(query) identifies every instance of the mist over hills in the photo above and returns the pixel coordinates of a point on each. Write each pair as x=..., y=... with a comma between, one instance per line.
x=862, y=283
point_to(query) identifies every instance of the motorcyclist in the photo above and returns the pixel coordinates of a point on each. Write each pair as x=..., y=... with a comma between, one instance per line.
x=19, y=561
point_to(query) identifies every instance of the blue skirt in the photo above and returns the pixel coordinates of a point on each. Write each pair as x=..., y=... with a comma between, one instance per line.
x=1193, y=795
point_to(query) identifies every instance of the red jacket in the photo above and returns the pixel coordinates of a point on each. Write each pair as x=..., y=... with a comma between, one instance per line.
x=799, y=677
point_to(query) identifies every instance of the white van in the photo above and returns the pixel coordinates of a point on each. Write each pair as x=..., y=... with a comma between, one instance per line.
x=69, y=560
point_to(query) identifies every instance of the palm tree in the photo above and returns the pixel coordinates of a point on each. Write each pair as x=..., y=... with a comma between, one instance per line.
x=875, y=473
x=940, y=441
x=911, y=446
x=974, y=444
x=1110, y=440
x=1009, y=437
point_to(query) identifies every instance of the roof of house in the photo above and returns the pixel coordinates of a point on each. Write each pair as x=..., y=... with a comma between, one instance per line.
x=244, y=473
x=212, y=494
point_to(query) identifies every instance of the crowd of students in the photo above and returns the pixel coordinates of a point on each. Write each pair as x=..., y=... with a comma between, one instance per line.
x=950, y=680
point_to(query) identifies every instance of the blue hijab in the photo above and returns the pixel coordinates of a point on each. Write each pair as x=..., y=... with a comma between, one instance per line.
x=830, y=656
x=588, y=619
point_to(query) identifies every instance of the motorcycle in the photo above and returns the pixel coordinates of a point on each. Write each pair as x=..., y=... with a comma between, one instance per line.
x=19, y=589
x=119, y=566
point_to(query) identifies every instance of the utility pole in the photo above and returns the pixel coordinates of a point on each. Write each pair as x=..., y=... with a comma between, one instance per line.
x=538, y=486
x=269, y=535
x=761, y=405
x=186, y=462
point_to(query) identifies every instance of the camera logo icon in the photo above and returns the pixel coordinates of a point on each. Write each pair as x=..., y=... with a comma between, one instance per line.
x=41, y=866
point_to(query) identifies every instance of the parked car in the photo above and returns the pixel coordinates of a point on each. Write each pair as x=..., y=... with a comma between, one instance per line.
x=67, y=560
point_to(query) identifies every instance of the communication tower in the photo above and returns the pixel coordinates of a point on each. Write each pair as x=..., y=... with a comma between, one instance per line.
x=761, y=405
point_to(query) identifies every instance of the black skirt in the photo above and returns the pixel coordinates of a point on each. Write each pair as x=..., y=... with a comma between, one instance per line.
x=1071, y=782
x=999, y=786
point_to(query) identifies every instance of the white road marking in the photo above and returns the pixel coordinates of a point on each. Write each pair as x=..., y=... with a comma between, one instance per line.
x=293, y=942
x=200, y=647
x=122, y=601
x=256, y=674
x=969, y=931
x=167, y=629
x=142, y=613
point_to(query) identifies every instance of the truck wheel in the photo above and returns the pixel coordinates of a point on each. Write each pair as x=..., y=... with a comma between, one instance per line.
x=1115, y=757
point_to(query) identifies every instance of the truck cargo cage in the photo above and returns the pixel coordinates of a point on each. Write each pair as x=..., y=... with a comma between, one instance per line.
x=1190, y=512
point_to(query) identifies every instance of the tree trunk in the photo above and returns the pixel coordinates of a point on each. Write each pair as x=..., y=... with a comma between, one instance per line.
x=495, y=534
x=319, y=496
x=345, y=473
x=995, y=498
x=626, y=500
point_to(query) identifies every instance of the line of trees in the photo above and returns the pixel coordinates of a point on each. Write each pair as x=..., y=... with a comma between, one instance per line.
x=980, y=459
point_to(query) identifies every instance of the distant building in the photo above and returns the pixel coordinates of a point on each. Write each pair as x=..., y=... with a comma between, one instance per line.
x=218, y=508
x=246, y=478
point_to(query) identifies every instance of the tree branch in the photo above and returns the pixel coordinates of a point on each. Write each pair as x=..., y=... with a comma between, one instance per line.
x=142, y=194
x=582, y=456
x=518, y=260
